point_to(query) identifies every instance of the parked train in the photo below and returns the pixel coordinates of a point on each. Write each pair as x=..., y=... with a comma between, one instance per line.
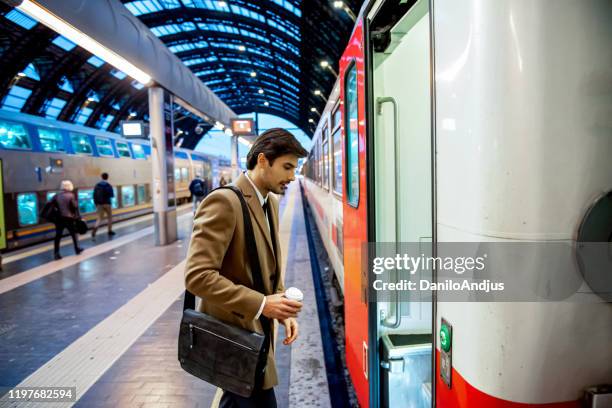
x=38, y=153
x=470, y=121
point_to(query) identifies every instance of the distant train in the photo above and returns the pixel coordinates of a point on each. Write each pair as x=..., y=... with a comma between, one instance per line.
x=38, y=153
x=471, y=122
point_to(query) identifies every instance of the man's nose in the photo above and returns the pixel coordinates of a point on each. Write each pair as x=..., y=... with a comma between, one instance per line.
x=292, y=176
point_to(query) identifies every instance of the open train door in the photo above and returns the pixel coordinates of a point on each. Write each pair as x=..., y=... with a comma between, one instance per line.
x=400, y=173
x=355, y=234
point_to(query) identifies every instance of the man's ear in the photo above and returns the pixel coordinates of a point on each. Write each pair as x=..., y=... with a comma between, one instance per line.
x=261, y=159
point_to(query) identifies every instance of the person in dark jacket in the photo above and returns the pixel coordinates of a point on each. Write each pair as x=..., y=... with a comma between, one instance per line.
x=103, y=192
x=68, y=213
x=198, y=189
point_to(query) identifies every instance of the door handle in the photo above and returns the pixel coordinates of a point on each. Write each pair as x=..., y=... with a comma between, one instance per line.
x=397, y=318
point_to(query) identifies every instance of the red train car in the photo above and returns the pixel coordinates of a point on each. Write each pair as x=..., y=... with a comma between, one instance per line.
x=471, y=122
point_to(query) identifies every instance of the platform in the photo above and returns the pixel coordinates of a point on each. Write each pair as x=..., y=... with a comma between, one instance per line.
x=106, y=321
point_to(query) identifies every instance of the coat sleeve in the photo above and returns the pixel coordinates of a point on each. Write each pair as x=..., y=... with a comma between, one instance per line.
x=213, y=229
x=280, y=287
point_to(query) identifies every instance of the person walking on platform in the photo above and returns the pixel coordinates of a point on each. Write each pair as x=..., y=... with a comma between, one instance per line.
x=197, y=188
x=217, y=268
x=68, y=213
x=102, y=195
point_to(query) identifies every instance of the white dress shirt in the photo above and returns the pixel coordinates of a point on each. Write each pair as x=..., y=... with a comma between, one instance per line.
x=262, y=201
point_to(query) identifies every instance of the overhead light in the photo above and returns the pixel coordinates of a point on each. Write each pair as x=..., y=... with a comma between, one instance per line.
x=222, y=4
x=313, y=109
x=317, y=92
x=260, y=91
x=325, y=65
x=341, y=5
x=311, y=120
x=266, y=103
x=253, y=74
x=219, y=125
x=241, y=48
x=90, y=99
x=83, y=40
x=132, y=114
x=21, y=74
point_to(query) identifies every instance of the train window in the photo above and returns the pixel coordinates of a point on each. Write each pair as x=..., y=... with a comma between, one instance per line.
x=128, y=198
x=177, y=174
x=86, y=202
x=185, y=173
x=352, y=137
x=51, y=194
x=80, y=144
x=27, y=209
x=336, y=117
x=138, y=151
x=51, y=140
x=114, y=202
x=14, y=136
x=141, y=194
x=123, y=149
x=325, y=134
x=105, y=148
x=326, y=165
x=337, y=161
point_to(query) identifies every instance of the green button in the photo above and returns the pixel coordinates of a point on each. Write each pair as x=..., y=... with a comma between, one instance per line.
x=445, y=338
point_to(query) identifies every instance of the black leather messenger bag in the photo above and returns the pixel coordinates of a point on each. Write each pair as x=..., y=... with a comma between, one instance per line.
x=217, y=352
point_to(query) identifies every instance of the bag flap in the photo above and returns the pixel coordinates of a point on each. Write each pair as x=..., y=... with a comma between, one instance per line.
x=222, y=329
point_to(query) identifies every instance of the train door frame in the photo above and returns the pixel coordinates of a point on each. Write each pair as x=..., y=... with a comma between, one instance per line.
x=374, y=358
x=2, y=219
x=355, y=231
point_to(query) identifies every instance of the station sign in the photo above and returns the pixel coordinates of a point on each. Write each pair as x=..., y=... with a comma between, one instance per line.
x=243, y=127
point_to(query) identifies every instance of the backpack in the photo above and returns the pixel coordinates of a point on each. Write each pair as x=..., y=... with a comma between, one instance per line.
x=197, y=188
x=99, y=195
x=50, y=211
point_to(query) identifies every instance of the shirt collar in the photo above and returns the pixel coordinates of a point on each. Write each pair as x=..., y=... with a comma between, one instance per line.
x=261, y=198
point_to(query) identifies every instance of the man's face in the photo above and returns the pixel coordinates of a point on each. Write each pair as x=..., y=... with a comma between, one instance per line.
x=278, y=175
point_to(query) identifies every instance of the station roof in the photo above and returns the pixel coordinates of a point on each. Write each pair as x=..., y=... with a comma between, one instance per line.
x=259, y=56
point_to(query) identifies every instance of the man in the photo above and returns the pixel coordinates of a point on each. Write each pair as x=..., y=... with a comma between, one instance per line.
x=102, y=194
x=217, y=267
x=198, y=191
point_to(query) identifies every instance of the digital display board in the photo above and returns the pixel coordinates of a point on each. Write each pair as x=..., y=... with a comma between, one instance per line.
x=133, y=129
x=243, y=127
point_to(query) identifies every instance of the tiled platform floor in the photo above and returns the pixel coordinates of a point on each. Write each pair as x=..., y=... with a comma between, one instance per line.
x=61, y=307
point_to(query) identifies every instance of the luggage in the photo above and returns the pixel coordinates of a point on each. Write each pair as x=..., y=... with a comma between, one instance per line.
x=80, y=226
x=219, y=353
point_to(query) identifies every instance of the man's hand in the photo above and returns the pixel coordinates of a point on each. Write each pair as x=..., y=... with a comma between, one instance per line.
x=291, y=330
x=279, y=307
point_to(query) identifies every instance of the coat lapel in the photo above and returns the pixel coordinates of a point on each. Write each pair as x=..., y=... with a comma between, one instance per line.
x=256, y=209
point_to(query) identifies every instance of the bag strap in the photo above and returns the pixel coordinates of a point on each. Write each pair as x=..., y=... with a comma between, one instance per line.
x=189, y=302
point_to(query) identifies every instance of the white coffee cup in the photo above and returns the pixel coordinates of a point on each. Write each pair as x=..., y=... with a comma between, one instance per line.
x=293, y=293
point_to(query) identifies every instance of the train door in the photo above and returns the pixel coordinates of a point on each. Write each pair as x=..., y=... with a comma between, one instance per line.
x=355, y=233
x=399, y=50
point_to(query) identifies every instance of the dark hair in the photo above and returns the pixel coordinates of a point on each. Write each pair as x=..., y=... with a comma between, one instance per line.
x=274, y=143
x=104, y=176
